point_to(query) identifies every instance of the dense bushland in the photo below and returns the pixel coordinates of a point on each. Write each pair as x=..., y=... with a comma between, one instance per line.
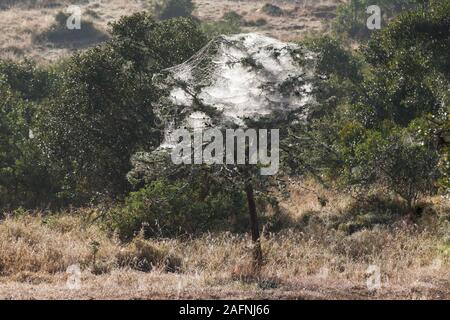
x=68, y=131
x=383, y=112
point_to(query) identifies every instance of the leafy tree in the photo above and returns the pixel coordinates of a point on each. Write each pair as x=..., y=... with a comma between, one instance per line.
x=351, y=17
x=411, y=72
x=410, y=65
x=100, y=113
x=151, y=45
x=24, y=177
x=232, y=189
x=25, y=78
x=385, y=133
x=394, y=158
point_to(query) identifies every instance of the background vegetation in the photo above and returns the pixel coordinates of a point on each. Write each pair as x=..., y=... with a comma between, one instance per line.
x=380, y=135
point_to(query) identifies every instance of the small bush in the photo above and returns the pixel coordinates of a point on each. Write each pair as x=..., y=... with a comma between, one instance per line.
x=24, y=177
x=367, y=213
x=272, y=10
x=233, y=16
x=30, y=81
x=351, y=16
x=235, y=19
x=168, y=209
x=60, y=34
x=256, y=23
x=168, y=9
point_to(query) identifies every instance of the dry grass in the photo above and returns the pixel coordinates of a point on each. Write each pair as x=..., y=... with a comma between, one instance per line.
x=299, y=19
x=22, y=22
x=303, y=262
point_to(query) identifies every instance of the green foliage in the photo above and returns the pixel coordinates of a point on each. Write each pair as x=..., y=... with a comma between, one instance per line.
x=329, y=51
x=340, y=81
x=410, y=74
x=228, y=26
x=351, y=17
x=410, y=60
x=25, y=78
x=164, y=209
x=98, y=116
x=59, y=34
x=391, y=157
x=233, y=16
x=151, y=45
x=100, y=112
x=24, y=179
x=380, y=119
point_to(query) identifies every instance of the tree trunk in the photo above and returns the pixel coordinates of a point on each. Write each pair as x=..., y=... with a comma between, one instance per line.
x=257, y=252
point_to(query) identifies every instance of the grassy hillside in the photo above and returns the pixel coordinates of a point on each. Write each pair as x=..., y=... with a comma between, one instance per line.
x=23, y=21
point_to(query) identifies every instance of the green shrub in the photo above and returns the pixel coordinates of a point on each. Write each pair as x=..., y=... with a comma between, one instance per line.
x=152, y=45
x=233, y=16
x=272, y=10
x=375, y=123
x=24, y=177
x=167, y=209
x=31, y=82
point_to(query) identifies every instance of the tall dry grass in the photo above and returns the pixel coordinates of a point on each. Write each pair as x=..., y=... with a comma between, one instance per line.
x=302, y=259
